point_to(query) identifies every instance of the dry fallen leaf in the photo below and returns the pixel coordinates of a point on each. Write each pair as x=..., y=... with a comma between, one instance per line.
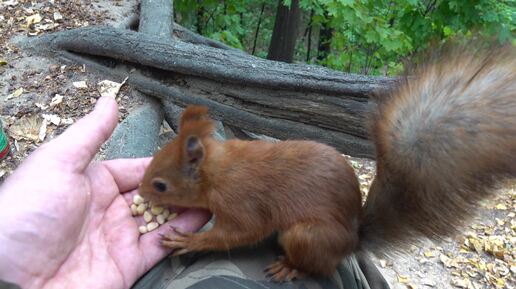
x=58, y=16
x=57, y=99
x=476, y=244
x=461, y=282
x=489, y=231
x=447, y=261
x=43, y=130
x=355, y=164
x=383, y=263
x=364, y=177
x=46, y=27
x=80, y=84
x=501, y=207
x=67, y=120
x=15, y=93
x=42, y=106
x=428, y=282
x=9, y=3
x=27, y=128
x=52, y=118
x=16, y=146
x=33, y=19
x=403, y=279
x=110, y=88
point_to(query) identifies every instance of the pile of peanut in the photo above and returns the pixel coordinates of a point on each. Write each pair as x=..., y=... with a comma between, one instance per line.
x=153, y=215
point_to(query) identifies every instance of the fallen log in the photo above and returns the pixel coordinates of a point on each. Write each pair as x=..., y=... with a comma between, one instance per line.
x=285, y=101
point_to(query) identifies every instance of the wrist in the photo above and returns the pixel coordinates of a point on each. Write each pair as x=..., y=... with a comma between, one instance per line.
x=15, y=266
x=11, y=273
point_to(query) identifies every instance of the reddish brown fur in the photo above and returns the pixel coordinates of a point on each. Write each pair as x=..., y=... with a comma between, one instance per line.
x=443, y=141
x=304, y=190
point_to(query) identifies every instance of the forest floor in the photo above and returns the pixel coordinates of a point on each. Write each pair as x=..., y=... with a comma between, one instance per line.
x=41, y=97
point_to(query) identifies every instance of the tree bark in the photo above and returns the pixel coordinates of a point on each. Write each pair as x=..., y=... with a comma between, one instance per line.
x=199, y=17
x=324, y=46
x=285, y=101
x=258, y=28
x=284, y=35
x=309, y=44
x=207, y=62
x=156, y=18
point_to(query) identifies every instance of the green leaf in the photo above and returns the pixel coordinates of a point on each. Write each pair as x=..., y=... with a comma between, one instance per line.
x=447, y=31
x=371, y=36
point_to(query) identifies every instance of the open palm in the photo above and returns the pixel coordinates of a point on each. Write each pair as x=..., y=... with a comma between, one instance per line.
x=65, y=221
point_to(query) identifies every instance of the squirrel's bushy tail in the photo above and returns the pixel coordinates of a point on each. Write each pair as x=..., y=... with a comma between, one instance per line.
x=445, y=138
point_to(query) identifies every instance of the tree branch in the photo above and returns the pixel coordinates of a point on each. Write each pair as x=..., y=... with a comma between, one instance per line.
x=201, y=61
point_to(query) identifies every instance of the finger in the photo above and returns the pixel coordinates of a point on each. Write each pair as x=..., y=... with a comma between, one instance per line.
x=77, y=145
x=189, y=221
x=127, y=173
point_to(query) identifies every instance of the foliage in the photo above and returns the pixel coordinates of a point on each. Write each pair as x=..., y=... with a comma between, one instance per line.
x=232, y=21
x=368, y=36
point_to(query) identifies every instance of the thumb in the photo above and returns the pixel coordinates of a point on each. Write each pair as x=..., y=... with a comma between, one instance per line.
x=81, y=141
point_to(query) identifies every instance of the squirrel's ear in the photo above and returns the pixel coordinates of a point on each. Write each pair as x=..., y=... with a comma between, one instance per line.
x=193, y=113
x=194, y=156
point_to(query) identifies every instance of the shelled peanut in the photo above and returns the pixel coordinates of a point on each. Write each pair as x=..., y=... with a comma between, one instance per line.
x=154, y=216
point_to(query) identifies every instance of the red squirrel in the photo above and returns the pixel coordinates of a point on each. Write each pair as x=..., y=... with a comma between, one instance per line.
x=444, y=139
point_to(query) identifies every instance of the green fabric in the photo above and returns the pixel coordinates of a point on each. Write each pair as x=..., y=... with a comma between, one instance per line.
x=243, y=268
x=155, y=277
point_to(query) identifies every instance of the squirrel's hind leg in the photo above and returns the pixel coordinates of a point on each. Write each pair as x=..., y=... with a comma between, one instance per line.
x=313, y=249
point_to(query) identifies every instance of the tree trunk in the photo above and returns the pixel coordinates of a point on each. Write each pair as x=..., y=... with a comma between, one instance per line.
x=156, y=18
x=199, y=17
x=324, y=46
x=309, y=44
x=284, y=35
x=258, y=28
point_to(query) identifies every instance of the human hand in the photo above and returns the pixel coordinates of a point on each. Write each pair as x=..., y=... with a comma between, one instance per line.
x=65, y=222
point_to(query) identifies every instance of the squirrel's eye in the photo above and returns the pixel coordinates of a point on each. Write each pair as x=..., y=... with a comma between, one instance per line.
x=159, y=186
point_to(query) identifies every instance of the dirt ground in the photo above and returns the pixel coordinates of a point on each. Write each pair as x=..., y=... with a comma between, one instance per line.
x=41, y=97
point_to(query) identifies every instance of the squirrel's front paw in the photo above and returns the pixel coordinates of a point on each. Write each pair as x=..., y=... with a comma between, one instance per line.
x=180, y=241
